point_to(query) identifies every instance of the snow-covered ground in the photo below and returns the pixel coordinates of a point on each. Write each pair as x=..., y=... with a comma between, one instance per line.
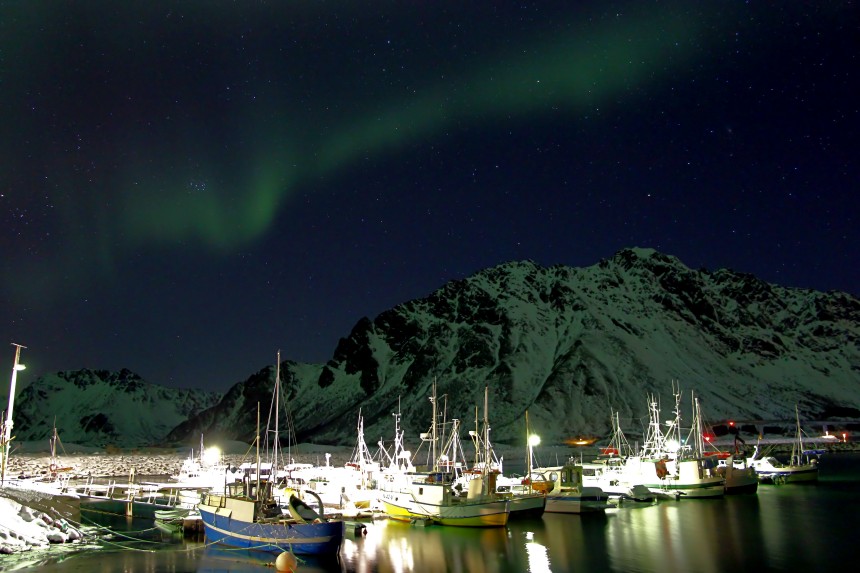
x=77, y=462
x=23, y=529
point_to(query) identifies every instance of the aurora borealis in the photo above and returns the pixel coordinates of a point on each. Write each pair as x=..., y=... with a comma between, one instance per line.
x=187, y=187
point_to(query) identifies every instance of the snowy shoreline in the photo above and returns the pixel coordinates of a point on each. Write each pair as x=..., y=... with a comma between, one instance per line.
x=92, y=462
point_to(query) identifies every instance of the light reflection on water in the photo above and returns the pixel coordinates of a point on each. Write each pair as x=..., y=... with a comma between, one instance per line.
x=783, y=528
x=403, y=548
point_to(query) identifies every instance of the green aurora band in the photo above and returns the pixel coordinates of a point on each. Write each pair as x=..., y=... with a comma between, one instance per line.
x=571, y=73
x=154, y=208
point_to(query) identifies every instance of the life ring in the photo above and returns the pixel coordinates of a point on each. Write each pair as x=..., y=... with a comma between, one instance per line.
x=52, y=468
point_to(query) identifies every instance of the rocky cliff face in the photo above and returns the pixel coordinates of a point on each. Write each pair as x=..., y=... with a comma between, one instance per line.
x=569, y=345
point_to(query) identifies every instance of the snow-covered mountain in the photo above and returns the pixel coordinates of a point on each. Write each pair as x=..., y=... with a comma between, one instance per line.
x=570, y=345
x=567, y=344
x=103, y=408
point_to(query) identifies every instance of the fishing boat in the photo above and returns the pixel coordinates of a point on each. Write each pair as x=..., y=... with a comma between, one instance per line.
x=670, y=469
x=568, y=493
x=801, y=467
x=740, y=477
x=247, y=515
x=432, y=496
x=348, y=488
x=529, y=500
x=525, y=500
x=204, y=471
x=609, y=471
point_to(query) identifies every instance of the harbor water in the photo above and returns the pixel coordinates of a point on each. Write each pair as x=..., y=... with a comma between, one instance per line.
x=781, y=528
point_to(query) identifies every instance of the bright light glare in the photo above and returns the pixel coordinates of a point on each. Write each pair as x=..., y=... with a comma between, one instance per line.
x=534, y=440
x=538, y=558
x=20, y=367
x=673, y=445
x=211, y=455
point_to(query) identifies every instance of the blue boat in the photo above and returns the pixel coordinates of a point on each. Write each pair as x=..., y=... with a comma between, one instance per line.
x=246, y=515
x=251, y=524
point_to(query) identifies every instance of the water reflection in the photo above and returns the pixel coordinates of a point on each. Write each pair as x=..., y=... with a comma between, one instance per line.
x=800, y=540
x=553, y=543
x=573, y=542
x=684, y=535
x=403, y=548
x=221, y=559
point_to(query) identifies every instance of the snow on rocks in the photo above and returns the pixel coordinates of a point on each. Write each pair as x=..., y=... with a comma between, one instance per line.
x=22, y=528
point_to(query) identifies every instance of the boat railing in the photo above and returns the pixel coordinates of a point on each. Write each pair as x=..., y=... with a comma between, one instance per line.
x=215, y=500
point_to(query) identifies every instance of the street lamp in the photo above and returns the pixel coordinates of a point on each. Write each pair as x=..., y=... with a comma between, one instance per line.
x=7, y=427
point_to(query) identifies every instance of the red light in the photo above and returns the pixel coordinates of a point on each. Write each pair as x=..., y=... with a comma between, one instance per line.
x=731, y=423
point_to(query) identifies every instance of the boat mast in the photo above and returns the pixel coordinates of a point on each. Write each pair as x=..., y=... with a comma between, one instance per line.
x=433, y=428
x=655, y=441
x=797, y=448
x=7, y=427
x=485, y=472
x=277, y=407
x=674, y=432
x=476, y=438
x=398, y=439
x=257, y=492
x=528, y=454
x=53, y=445
x=698, y=440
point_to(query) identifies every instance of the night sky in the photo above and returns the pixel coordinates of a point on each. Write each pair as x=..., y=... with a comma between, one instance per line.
x=187, y=187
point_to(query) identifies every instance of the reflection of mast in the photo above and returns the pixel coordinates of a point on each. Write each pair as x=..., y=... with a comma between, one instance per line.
x=7, y=428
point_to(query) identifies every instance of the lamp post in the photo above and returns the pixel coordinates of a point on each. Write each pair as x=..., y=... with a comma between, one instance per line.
x=7, y=426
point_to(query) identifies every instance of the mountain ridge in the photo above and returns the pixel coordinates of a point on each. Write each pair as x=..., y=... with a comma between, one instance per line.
x=570, y=345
